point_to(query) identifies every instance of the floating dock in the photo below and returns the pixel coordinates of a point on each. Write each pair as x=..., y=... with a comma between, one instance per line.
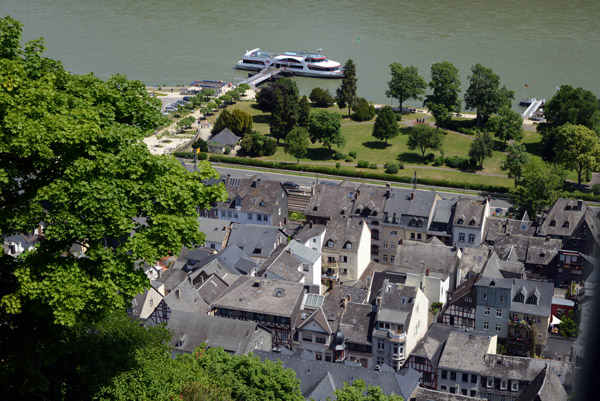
x=533, y=107
x=264, y=75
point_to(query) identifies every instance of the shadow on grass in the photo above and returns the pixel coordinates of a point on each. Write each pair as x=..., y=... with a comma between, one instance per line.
x=261, y=119
x=404, y=130
x=318, y=154
x=410, y=158
x=376, y=145
x=255, y=106
x=535, y=148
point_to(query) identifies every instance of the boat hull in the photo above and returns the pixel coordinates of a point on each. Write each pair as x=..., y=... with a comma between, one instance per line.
x=291, y=63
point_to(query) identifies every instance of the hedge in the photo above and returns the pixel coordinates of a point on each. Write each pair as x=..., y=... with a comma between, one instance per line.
x=190, y=155
x=345, y=172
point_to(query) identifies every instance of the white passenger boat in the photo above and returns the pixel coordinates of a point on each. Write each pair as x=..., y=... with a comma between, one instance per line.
x=296, y=63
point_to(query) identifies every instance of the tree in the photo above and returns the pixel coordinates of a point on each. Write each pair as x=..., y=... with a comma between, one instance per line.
x=516, y=159
x=441, y=114
x=484, y=93
x=539, y=187
x=567, y=326
x=406, y=83
x=326, y=128
x=303, y=112
x=72, y=158
x=266, y=96
x=386, y=126
x=423, y=137
x=345, y=95
x=296, y=143
x=481, y=148
x=321, y=97
x=507, y=125
x=577, y=148
x=256, y=144
x=358, y=391
x=223, y=121
x=569, y=105
x=240, y=122
x=445, y=84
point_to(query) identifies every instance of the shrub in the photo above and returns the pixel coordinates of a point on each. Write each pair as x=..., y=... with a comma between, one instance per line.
x=349, y=160
x=256, y=144
x=391, y=168
x=363, y=110
x=321, y=97
x=398, y=116
x=588, y=176
x=468, y=131
x=352, y=154
x=457, y=162
x=339, y=156
x=200, y=144
x=373, y=166
x=338, y=165
x=429, y=158
x=596, y=189
x=227, y=150
x=363, y=164
x=401, y=166
x=438, y=161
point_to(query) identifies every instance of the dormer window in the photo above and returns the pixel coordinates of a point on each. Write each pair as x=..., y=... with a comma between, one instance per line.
x=503, y=384
x=490, y=382
x=472, y=222
x=514, y=386
x=552, y=223
x=263, y=203
x=519, y=298
x=460, y=221
x=566, y=224
x=348, y=245
x=329, y=244
x=532, y=299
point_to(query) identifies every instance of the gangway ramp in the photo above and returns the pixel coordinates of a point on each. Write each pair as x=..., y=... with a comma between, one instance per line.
x=264, y=75
x=533, y=107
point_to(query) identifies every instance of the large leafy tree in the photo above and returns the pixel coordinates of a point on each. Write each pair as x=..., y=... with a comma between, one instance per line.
x=266, y=96
x=238, y=121
x=72, y=158
x=358, y=391
x=287, y=111
x=326, y=127
x=485, y=94
x=406, y=83
x=445, y=84
x=577, y=148
x=481, y=148
x=296, y=143
x=423, y=137
x=345, y=95
x=321, y=97
x=386, y=126
x=516, y=160
x=569, y=105
x=303, y=112
x=506, y=125
x=538, y=188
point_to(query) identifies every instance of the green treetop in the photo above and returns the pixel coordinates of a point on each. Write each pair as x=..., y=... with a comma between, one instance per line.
x=481, y=148
x=346, y=93
x=326, y=127
x=72, y=157
x=386, y=126
x=406, y=83
x=296, y=143
x=485, y=94
x=506, y=125
x=577, y=148
x=423, y=137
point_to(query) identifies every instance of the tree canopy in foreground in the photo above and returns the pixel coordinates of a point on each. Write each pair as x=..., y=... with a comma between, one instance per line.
x=72, y=158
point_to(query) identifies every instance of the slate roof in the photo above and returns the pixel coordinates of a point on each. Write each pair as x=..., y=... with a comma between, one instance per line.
x=544, y=292
x=307, y=232
x=260, y=295
x=416, y=257
x=474, y=259
x=342, y=231
x=318, y=316
x=283, y=264
x=328, y=201
x=526, y=369
x=332, y=303
x=186, y=298
x=407, y=204
x=370, y=201
x=469, y=210
x=234, y=259
x=212, y=288
x=432, y=344
x=397, y=303
x=378, y=279
x=194, y=329
x=499, y=227
x=498, y=282
x=248, y=194
x=454, y=356
x=215, y=230
x=357, y=323
x=545, y=387
x=303, y=252
x=255, y=240
x=425, y=394
x=225, y=138
x=171, y=278
x=318, y=379
x=499, y=268
x=563, y=211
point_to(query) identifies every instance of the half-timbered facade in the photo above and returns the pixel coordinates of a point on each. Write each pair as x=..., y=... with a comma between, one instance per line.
x=184, y=297
x=461, y=307
x=272, y=303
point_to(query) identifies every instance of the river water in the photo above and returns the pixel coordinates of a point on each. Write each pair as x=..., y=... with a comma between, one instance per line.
x=541, y=43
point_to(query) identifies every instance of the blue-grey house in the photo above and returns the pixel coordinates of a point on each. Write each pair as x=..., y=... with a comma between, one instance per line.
x=493, y=305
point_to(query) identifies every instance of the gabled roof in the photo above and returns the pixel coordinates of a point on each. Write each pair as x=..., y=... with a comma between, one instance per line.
x=416, y=257
x=191, y=329
x=407, y=204
x=370, y=201
x=255, y=240
x=357, y=323
x=225, y=138
x=432, y=344
x=454, y=355
x=212, y=288
x=303, y=252
x=542, y=290
x=341, y=231
x=307, y=232
x=469, y=213
x=328, y=201
x=563, y=218
x=545, y=387
x=319, y=318
x=425, y=394
x=319, y=378
x=186, y=298
x=526, y=369
x=253, y=194
x=215, y=230
x=260, y=295
x=397, y=303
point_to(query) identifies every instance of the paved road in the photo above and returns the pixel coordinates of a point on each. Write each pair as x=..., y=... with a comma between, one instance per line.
x=308, y=180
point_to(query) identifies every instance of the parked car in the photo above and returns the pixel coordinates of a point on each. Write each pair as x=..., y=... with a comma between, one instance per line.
x=290, y=185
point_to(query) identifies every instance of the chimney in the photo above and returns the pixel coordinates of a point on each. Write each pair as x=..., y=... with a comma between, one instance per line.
x=401, y=242
x=368, y=279
x=427, y=272
x=178, y=293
